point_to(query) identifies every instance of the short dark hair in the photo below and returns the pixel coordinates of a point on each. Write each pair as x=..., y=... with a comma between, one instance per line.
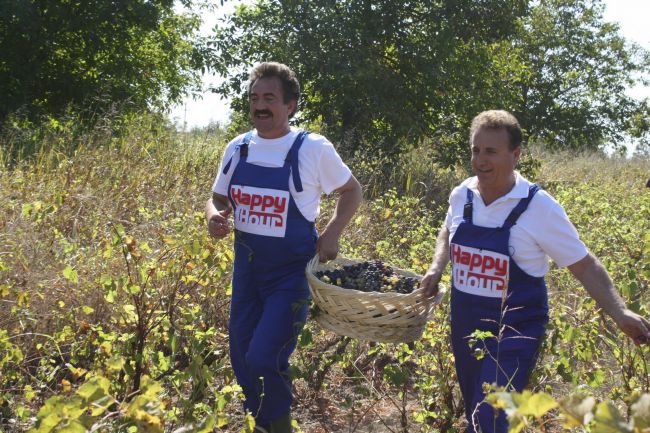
x=290, y=85
x=498, y=119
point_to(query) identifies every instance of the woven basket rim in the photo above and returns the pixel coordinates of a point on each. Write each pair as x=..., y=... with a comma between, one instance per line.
x=370, y=315
x=314, y=263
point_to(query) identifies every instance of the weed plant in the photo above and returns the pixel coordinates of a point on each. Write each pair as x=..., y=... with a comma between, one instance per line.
x=115, y=301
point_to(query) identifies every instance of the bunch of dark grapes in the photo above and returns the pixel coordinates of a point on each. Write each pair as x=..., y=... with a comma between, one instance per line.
x=372, y=276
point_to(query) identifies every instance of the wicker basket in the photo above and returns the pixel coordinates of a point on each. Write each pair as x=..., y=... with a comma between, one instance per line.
x=374, y=316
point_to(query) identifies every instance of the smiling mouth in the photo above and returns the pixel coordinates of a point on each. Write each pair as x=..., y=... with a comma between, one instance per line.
x=262, y=114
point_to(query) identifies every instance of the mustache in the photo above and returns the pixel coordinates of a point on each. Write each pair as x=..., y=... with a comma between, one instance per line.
x=262, y=112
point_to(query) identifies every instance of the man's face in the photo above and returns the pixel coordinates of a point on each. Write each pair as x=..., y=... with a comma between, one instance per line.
x=269, y=113
x=493, y=161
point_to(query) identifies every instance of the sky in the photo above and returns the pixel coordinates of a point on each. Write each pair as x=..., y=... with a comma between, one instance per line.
x=631, y=15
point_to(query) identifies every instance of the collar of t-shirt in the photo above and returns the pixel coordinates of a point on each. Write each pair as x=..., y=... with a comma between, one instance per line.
x=519, y=191
x=270, y=152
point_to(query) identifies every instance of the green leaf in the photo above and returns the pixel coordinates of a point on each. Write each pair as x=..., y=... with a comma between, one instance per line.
x=56, y=410
x=133, y=289
x=29, y=393
x=641, y=413
x=22, y=412
x=536, y=405
x=26, y=210
x=206, y=425
x=516, y=424
x=506, y=401
x=250, y=423
x=94, y=388
x=150, y=388
x=115, y=363
x=70, y=274
x=73, y=427
x=395, y=375
x=221, y=403
x=119, y=230
x=148, y=422
x=110, y=296
x=608, y=420
x=47, y=418
x=577, y=410
x=110, y=288
x=306, y=338
x=130, y=311
x=100, y=406
x=222, y=421
x=501, y=400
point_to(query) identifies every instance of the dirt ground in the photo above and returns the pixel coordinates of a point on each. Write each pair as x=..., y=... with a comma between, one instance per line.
x=338, y=410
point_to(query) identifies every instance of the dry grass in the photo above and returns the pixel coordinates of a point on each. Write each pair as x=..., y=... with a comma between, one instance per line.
x=61, y=209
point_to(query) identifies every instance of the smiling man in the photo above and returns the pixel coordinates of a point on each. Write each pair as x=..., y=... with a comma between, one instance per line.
x=500, y=230
x=270, y=182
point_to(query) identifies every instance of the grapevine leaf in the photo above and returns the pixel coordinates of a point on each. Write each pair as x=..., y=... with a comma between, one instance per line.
x=609, y=420
x=641, y=413
x=577, y=410
x=536, y=405
x=70, y=274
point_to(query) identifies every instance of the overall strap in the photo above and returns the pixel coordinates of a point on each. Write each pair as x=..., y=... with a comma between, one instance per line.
x=521, y=207
x=292, y=159
x=469, y=207
x=243, y=150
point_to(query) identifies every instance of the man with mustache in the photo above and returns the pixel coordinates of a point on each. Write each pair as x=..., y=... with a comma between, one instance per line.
x=270, y=182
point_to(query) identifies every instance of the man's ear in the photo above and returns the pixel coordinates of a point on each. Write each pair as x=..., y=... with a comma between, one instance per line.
x=517, y=153
x=293, y=106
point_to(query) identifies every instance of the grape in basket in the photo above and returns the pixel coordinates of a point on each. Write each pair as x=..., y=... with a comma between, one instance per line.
x=369, y=276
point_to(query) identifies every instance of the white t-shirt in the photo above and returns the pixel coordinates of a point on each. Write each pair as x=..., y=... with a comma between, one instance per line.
x=321, y=168
x=542, y=231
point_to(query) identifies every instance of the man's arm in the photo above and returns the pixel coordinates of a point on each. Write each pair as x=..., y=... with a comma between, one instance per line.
x=346, y=205
x=595, y=279
x=440, y=259
x=217, y=210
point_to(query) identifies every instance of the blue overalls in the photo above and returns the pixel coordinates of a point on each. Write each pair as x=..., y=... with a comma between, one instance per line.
x=482, y=270
x=273, y=243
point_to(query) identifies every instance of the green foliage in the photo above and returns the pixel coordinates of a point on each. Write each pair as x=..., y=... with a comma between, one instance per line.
x=528, y=410
x=130, y=288
x=381, y=75
x=93, y=407
x=77, y=412
x=115, y=301
x=573, y=94
x=386, y=77
x=396, y=229
x=95, y=55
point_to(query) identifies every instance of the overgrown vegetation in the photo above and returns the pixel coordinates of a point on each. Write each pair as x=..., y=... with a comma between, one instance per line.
x=115, y=301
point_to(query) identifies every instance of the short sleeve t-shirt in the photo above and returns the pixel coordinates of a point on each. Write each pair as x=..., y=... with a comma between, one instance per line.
x=542, y=231
x=321, y=168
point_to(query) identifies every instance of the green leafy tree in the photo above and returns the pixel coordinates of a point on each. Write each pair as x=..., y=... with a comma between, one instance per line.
x=90, y=55
x=383, y=72
x=390, y=76
x=578, y=68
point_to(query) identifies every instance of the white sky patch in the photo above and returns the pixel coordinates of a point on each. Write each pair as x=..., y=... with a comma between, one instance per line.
x=210, y=108
x=632, y=17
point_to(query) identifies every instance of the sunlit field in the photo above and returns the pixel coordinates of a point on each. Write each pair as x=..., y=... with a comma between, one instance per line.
x=114, y=300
